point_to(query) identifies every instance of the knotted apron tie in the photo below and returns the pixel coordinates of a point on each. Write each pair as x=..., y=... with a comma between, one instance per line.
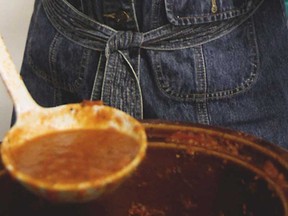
x=121, y=84
x=121, y=81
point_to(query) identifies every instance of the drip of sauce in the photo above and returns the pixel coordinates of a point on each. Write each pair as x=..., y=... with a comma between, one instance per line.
x=75, y=156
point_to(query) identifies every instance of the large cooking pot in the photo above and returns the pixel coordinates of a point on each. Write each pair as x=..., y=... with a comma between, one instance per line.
x=189, y=170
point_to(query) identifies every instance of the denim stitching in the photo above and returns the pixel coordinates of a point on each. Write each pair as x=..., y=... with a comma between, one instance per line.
x=160, y=82
x=104, y=79
x=154, y=13
x=53, y=50
x=212, y=32
x=52, y=76
x=202, y=113
x=113, y=79
x=199, y=18
x=82, y=5
x=137, y=84
x=107, y=82
x=40, y=73
x=249, y=82
x=152, y=37
x=138, y=65
x=34, y=68
x=134, y=15
x=83, y=16
x=226, y=13
x=81, y=70
x=56, y=10
x=165, y=88
x=93, y=93
x=61, y=83
x=201, y=84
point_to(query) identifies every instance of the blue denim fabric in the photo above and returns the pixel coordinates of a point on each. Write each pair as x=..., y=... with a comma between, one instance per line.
x=176, y=60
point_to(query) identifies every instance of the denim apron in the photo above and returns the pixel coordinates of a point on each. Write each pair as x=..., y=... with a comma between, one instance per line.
x=215, y=62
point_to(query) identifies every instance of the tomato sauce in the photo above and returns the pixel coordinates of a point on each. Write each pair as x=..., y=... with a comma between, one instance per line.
x=75, y=156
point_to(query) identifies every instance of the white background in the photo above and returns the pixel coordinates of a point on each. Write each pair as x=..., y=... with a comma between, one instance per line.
x=14, y=22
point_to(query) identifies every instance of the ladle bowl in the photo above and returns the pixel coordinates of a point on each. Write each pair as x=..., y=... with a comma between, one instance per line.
x=34, y=121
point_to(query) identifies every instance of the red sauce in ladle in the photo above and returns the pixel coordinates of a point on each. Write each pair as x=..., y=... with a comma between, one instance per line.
x=74, y=156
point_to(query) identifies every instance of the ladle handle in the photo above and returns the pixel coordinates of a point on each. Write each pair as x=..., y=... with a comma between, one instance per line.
x=22, y=99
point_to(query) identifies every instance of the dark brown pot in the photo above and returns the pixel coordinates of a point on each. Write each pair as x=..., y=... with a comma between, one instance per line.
x=189, y=170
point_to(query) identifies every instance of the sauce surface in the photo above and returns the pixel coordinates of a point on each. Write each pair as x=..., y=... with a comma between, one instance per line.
x=75, y=156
